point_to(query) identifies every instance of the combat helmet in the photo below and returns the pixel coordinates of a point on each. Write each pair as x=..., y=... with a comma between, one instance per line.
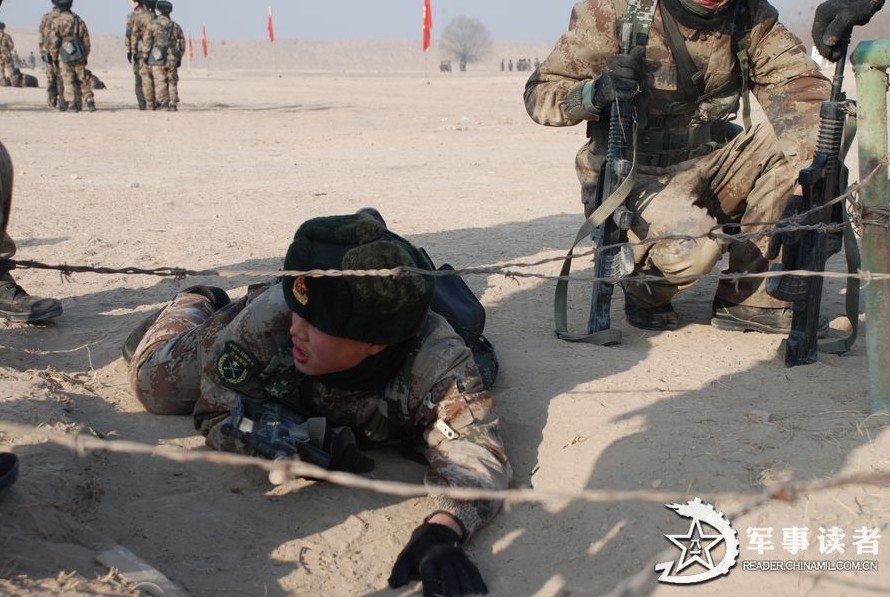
x=2, y=26
x=164, y=7
x=63, y=4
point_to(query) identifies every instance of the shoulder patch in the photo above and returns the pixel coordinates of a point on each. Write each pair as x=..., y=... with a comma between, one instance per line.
x=236, y=365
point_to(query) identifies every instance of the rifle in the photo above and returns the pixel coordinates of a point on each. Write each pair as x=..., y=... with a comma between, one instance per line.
x=274, y=431
x=613, y=262
x=823, y=181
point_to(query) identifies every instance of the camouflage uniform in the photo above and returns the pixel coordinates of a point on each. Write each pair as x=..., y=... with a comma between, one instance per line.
x=182, y=365
x=168, y=36
x=7, y=245
x=137, y=23
x=7, y=62
x=67, y=28
x=53, y=82
x=707, y=180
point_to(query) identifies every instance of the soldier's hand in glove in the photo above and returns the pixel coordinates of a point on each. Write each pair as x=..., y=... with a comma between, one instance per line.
x=130, y=57
x=835, y=19
x=46, y=58
x=623, y=77
x=434, y=556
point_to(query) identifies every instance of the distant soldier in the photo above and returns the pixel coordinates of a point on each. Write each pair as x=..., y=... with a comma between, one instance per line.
x=32, y=60
x=70, y=49
x=20, y=79
x=137, y=23
x=164, y=43
x=7, y=56
x=53, y=82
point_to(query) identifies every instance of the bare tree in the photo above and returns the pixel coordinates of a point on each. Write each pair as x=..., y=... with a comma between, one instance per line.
x=466, y=40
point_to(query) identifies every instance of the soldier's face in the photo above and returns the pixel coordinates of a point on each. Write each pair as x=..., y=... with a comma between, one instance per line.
x=317, y=353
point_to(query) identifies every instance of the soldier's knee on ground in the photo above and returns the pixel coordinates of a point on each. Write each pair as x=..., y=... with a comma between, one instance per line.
x=685, y=257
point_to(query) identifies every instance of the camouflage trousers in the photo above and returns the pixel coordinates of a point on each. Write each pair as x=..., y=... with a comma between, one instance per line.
x=148, y=84
x=747, y=181
x=166, y=368
x=75, y=83
x=7, y=246
x=166, y=79
x=137, y=77
x=52, y=84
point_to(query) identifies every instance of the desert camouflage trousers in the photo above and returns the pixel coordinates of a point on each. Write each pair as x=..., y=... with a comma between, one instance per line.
x=75, y=84
x=137, y=78
x=166, y=80
x=52, y=84
x=166, y=368
x=147, y=82
x=746, y=182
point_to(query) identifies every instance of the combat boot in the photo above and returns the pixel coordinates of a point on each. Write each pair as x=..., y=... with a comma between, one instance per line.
x=91, y=106
x=52, y=101
x=18, y=305
x=217, y=297
x=730, y=316
x=63, y=106
x=658, y=318
x=171, y=107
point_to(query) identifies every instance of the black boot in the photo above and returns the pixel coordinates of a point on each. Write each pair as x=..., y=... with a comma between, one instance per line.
x=18, y=305
x=658, y=318
x=91, y=106
x=217, y=297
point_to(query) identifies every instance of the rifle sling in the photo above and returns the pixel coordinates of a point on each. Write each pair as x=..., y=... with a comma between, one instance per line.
x=611, y=336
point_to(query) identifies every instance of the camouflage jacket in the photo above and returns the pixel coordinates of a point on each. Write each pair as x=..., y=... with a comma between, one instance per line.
x=66, y=25
x=137, y=23
x=785, y=81
x=7, y=47
x=43, y=31
x=437, y=399
x=167, y=33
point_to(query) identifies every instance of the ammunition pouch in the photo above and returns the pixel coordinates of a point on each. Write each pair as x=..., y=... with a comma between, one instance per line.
x=71, y=50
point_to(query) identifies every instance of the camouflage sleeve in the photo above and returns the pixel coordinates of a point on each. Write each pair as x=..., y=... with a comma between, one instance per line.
x=788, y=84
x=85, y=37
x=558, y=93
x=180, y=41
x=54, y=40
x=464, y=447
x=43, y=34
x=129, y=32
x=147, y=38
x=233, y=360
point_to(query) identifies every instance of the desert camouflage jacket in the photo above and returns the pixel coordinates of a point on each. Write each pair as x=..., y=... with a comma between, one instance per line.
x=7, y=46
x=785, y=81
x=164, y=28
x=437, y=399
x=66, y=25
x=43, y=30
x=137, y=22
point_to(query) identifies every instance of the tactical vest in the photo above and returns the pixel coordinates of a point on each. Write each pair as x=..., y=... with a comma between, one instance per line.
x=160, y=45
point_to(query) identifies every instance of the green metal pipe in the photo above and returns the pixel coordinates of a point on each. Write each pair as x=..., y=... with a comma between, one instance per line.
x=871, y=59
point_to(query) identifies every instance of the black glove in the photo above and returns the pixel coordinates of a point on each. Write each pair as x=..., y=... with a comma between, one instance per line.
x=46, y=58
x=339, y=442
x=434, y=556
x=835, y=19
x=622, y=78
x=130, y=57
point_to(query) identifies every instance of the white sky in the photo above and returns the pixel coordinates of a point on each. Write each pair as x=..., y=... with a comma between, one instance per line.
x=507, y=20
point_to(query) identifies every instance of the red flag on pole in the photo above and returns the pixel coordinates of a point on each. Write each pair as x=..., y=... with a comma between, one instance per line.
x=191, y=48
x=204, y=41
x=427, y=24
x=270, y=27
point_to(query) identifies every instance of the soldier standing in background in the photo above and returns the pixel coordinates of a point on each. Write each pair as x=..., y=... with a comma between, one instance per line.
x=70, y=49
x=137, y=23
x=164, y=43
x=53, y=83
x=7, y=62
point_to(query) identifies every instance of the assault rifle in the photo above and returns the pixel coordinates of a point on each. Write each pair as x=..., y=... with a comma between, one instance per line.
x=613, y=262
x=274, y=431
x=822, y=182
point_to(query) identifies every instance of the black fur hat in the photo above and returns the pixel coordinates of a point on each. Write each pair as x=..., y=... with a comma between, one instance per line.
x=379, y=310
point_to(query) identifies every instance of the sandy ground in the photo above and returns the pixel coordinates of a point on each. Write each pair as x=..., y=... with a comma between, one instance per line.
x=452, y=162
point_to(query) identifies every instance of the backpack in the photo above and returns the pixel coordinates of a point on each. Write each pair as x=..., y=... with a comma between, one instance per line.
x=158, y=53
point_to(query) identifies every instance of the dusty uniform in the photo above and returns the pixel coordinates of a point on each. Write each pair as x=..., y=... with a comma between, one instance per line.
x=193, y=360
x=7, y=53
x=52, y=71
x=7, y=246
x=70, y=48
x=165, y=44
x=137, y=22
x=689, y=178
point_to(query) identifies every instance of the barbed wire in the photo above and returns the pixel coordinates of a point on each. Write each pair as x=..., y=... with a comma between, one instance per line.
x=281, y=471
x=859, y=217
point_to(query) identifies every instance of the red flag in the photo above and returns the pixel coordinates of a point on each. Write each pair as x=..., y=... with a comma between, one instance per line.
x=427, y=24
x=191, y=48
x=270, y=27
x=204, y=41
